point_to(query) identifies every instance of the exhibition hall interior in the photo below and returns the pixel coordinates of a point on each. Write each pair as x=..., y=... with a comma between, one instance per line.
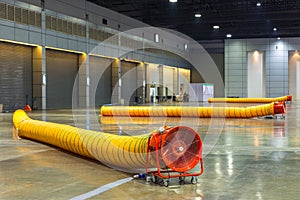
x=150, y=99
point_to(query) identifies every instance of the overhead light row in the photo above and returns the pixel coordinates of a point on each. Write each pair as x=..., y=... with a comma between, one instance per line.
x=199, y=15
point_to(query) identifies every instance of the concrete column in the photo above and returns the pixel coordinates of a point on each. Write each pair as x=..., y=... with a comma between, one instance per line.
x=141, y=82
x=39, y=77
x=298, y=80
x=83, y=81
x=161, y=82
x=84, y=74
x=116, y=81
x=87, y=64
x=178, y=82
x=38, y=74
x=175, y=82
x=148, y=83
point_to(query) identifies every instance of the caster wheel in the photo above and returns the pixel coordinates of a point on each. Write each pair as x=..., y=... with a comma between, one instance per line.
x=181, y=178
x=166, y=183
x=154, y=179
x=194, y=180
x=148, y=178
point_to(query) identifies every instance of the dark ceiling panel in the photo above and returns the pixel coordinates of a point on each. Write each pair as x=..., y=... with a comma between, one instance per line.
x=242, y=19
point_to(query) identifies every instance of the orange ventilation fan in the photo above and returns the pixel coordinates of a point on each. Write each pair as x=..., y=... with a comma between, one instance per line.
x=177, y=150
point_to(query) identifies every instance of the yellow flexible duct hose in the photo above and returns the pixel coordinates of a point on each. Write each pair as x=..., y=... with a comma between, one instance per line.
x=250, y=100
x=127, y=153
x=178, y=111
x=129, y=121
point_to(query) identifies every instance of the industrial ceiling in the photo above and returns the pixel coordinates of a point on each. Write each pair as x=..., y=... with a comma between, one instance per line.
x=240, y=19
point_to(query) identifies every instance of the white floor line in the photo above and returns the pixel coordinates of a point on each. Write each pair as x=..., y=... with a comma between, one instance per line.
x=102, y=189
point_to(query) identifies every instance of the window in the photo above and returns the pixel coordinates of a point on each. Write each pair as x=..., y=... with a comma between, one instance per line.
x=104, y=21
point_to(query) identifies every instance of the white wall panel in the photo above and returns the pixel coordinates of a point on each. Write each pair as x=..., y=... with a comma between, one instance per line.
x=152, y=74
x=252, y=47
x=294, y=59
x=7, y=32
x=256, y=75
x=168, y=79
x=184, y=80
x=235, y=78
x=276, y=63
x=298, y=80
x=35, y=38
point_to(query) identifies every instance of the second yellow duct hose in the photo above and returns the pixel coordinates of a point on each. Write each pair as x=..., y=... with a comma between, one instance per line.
x=126, y=153
x=250, y=100
x=180, y=111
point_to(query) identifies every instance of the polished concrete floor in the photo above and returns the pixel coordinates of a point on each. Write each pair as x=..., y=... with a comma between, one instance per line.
x=244, y=159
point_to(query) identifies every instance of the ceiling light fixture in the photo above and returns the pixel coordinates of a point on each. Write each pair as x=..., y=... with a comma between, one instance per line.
x=258, y=4
x=278, y=38
x=216, y=27
x=173, y=1
x=274, y=29
x=229, y=35
x=156, y=38
x=185, y=47
x=198, y=15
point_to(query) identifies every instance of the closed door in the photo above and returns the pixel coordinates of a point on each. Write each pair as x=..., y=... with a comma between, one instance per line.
x=61, y=70
x=15, y=75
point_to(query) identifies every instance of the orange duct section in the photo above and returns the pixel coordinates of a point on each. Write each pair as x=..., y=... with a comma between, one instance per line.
x=250, y=100
x=178, y=111
x=178, y=148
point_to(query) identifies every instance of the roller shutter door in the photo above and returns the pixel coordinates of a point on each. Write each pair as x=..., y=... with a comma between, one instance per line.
x=61, y=70
x=100, y=78
x=129, y=81
x=15, y=75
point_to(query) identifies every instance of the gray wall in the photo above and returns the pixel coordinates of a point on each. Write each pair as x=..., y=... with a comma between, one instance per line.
x=218, y=59
x=15, y=75
x=66, y=27
x=62, y=69
x=276, y=64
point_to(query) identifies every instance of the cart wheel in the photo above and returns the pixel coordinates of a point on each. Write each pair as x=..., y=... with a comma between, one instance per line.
x=181, y=178
x=154, y=179
x=166, y=183
x=194, y=180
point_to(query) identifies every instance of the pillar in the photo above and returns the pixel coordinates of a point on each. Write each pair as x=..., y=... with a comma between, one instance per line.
x=141, y=82
x=116, y=81
x=39, y=78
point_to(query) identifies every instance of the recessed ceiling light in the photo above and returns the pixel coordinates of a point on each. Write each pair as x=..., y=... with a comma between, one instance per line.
x=229, y=35
x=258, y=4
x=172, y=1
x=156, y=37
x=274, y=29
x=185, y=47
x=216, y=27
x=198, y=15
x=278, y=38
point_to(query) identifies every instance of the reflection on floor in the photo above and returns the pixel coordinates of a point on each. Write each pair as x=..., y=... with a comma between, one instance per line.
x=244, y=159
